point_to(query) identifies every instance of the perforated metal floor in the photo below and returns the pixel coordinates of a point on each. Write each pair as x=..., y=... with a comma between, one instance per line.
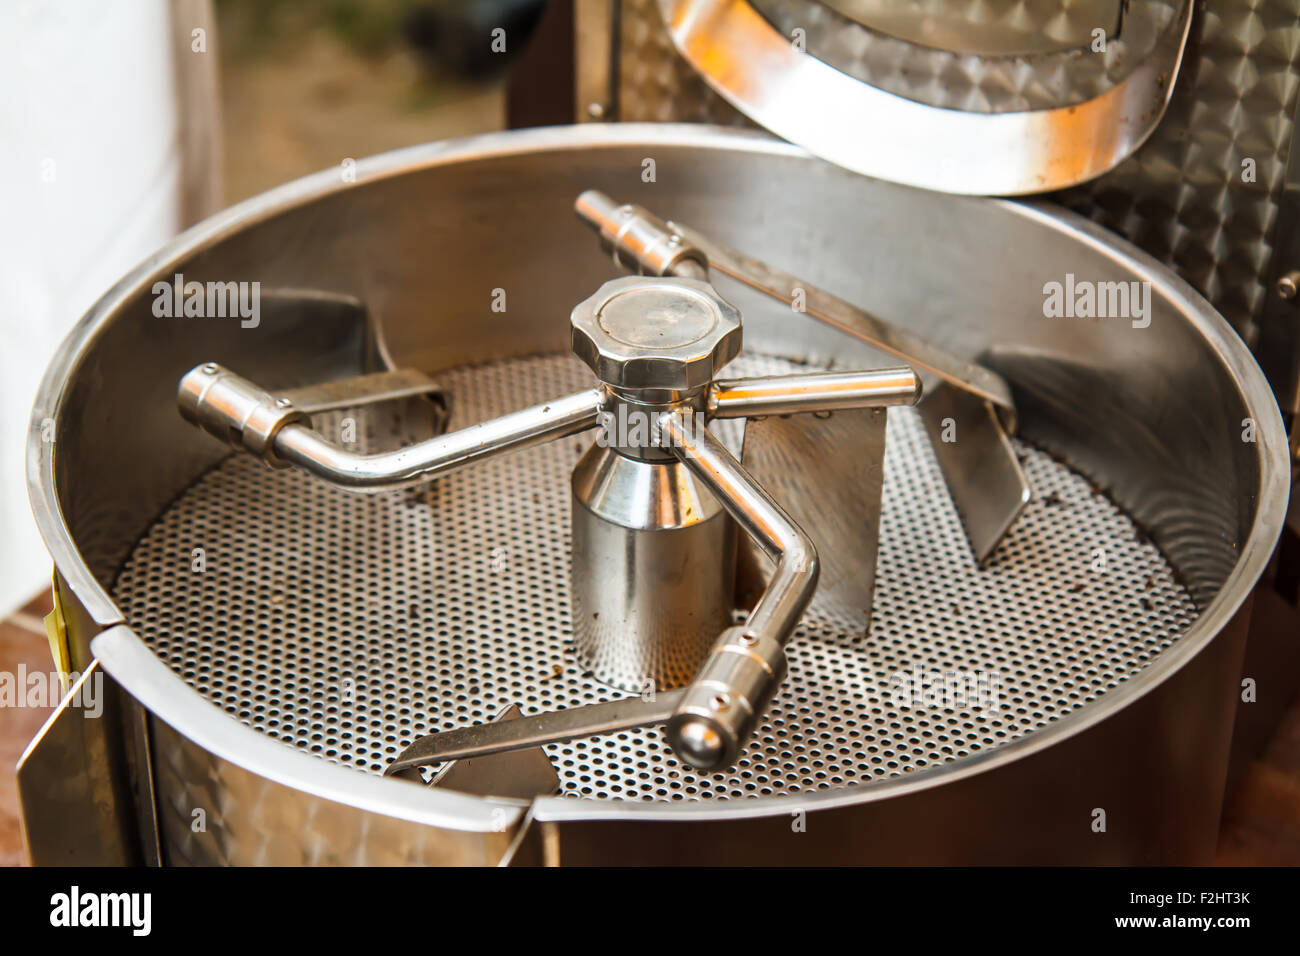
x=349, y=625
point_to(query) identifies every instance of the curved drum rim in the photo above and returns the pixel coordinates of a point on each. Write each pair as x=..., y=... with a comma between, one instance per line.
x=169, y=699
x=747, y=61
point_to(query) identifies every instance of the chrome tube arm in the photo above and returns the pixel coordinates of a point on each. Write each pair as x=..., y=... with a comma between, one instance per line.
x=709, y=720
x=237, y=411
x=718, y=710
x=300, y=445
x=813, y=392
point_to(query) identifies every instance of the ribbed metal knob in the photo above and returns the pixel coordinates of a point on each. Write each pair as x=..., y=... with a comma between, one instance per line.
x=669, y=333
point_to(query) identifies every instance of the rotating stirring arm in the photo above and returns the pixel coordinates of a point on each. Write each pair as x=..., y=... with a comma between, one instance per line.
x=655, y=345
x=237, y=411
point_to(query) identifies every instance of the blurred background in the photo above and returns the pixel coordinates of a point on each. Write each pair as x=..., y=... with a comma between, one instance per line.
x=306, y=84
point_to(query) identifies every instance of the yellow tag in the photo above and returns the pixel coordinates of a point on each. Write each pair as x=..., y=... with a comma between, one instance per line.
x=56, y=632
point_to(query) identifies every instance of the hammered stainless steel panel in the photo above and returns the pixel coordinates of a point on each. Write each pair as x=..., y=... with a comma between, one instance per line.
x=654, y=82
x=1184, y=196
x=976, y=82
x=348, y=626
x=212, y=812
x=997, y=27
x=784, y=85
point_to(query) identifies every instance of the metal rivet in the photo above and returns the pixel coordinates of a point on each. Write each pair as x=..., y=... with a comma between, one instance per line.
x=720, y=702
x=1289, y=285
x=208, y=368
x=283, y=403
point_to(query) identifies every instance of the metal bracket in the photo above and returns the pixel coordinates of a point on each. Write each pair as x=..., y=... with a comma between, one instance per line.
x=372, y=389
x=522, y=774
x=536, y=730
x=979, y=465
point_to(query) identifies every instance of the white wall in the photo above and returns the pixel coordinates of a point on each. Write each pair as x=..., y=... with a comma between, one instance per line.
x=90, y=183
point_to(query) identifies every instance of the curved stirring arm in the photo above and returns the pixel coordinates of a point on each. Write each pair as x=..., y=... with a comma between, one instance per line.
x=709, y=720
x=300, y=445
x=237, y=411
x=717, y=711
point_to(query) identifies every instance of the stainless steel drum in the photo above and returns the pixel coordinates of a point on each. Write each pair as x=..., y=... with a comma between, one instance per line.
x=272, y=643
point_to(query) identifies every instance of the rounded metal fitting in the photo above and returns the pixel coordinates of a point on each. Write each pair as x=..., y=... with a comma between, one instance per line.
x=658, y=333
x=717, y=712
x=236, y=411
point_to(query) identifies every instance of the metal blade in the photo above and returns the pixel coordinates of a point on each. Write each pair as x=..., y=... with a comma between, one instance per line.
x=537, y=730
x=418, y=407
x=523, y=774
x=826, y=470
x=979, y=465
x=386, y=386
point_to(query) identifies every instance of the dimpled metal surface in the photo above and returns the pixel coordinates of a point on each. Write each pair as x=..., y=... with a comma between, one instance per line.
x=348, y=625
x=1186, y=196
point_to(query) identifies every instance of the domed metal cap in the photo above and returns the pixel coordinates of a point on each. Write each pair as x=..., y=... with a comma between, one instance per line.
x=640, y=332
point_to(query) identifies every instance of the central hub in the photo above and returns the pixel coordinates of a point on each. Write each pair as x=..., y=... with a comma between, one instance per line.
x=653, y=566
x=656, y=333
x=654, y=317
